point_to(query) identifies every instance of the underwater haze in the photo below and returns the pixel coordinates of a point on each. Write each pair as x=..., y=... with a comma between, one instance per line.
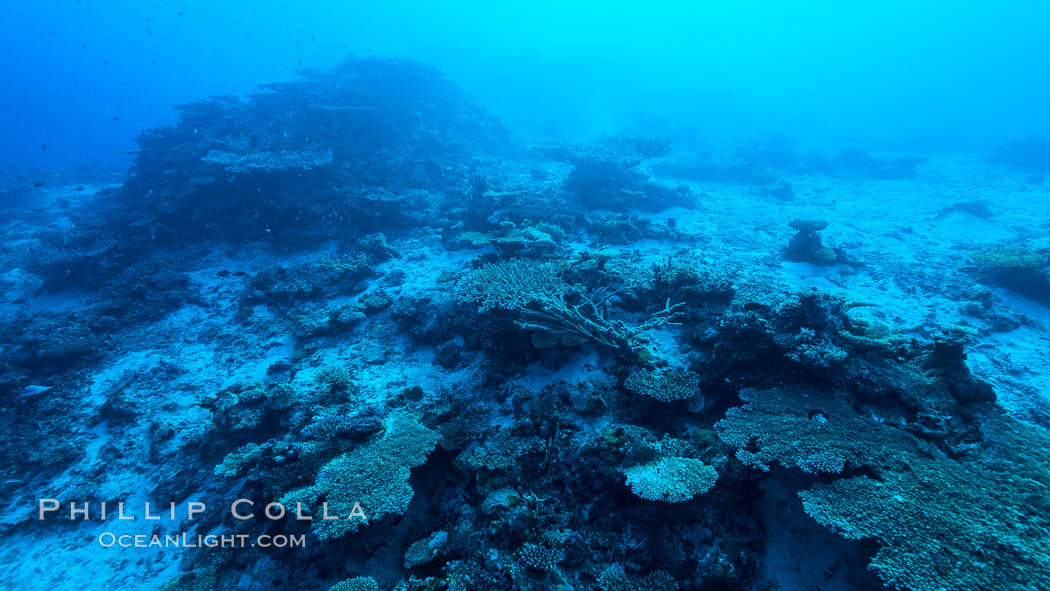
x=542, y=296
x=892, y=75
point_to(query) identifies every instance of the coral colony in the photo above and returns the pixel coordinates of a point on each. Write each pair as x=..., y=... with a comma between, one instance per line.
x=357, y=314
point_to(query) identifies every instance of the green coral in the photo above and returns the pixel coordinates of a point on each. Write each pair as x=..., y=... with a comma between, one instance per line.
x=671, y=479
x=500, y=500
x=376, y=476
x=666, y=385
x=1010, y=257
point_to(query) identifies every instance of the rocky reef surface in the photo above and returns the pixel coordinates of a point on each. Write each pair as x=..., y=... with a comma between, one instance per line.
x=521, y=363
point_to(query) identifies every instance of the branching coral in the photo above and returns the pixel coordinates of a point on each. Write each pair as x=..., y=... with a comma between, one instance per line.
x=538, y=557
x=615, y=578
x=540, y=296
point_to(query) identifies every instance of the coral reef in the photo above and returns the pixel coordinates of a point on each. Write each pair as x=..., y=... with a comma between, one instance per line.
x=807, y=246
x=604, y=173
x=1016, y=268
x=664, y=385
x=375, y=476
x=543, y=299
x=671, y=479
x=584, y=366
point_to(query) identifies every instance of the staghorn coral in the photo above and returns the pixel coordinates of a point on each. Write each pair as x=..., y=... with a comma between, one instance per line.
x=375, y=475
x=541, y=297
x=670, y=479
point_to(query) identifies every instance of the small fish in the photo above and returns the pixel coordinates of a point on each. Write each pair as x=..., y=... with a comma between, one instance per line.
x=43, y=146
x=37, y=185
x=116, y=118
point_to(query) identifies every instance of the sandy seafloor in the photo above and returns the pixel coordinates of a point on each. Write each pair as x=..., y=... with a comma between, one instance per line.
x=912, y=242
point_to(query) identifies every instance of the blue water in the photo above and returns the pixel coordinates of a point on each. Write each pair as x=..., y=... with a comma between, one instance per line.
x=886, y=75
x=525, y=296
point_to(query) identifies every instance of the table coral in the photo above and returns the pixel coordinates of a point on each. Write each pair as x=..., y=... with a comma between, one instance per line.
x=671, y=479
x=376, y=476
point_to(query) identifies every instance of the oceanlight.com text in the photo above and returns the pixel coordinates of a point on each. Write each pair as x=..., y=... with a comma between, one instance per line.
x=184, y=540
